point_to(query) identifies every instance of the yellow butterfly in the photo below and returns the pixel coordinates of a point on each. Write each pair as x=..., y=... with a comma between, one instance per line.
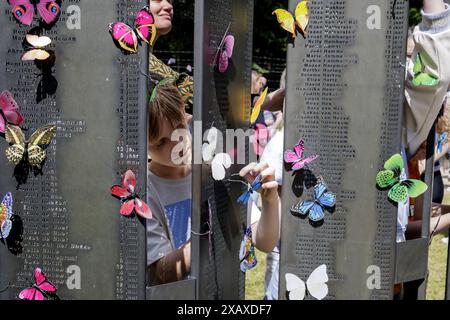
x=288, y=22
x=33, y=150
x=257, y=108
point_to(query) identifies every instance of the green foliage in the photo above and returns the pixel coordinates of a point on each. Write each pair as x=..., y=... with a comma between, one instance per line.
x=414, y=16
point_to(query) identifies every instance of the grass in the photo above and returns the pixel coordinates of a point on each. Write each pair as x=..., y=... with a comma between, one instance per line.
x=437, y=261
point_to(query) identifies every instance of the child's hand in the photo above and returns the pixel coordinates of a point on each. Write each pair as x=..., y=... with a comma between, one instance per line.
x=269, y=185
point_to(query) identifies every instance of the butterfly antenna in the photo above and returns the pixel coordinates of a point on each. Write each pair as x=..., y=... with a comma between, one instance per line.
x=5, y=289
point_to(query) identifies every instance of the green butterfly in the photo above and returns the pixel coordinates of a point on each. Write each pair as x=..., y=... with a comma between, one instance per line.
x=400, y=189
x=420, y=77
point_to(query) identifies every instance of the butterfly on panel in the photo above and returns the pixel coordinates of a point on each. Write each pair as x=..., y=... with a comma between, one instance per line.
x=254, y=187
x=220, y=162
x=31, y=151
x=128, y=38
x=6, y=213
x=393, y=178
x=295, y=157
x=25, y=10
x=9, y=111
x=257, y=108
x=315, y=209
x=41, y=289
x=421, y=77
x=131, y=202
x=224, y=52
x=441, y=141
x=316, y=285
x=247, y=255
x=35, y=48
x=290, y=22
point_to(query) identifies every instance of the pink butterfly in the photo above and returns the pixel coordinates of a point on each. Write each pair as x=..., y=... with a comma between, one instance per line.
x=225, y=53
x=41, y=288
x=24, y=10
x=130, y=200
x=9, y=111
x=294, y=157
x=127, y=38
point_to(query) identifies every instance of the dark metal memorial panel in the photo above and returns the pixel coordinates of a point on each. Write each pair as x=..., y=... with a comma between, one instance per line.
x=344, y=98
x=65, y=219
x=222, y=100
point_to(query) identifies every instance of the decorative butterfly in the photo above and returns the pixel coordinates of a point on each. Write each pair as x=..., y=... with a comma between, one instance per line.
x=32, y=150
x=316, y=284
x=294, y=156
x=220, y=162
x=127, y=39
x=315, y=209
x=130, y=200
x=422, y=78
x=442, y=139
x=36, y=48
x=247, y=254
x=9, y=111
x=24, y=10
x=289, y=23
x=257, y=108
x=394, y=178
x=255, y=186
x=5, y=215
x=40, y=289
x=224, y=51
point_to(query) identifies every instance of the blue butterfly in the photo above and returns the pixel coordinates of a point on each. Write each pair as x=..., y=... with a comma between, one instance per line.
x=315, y=209
x=256, y=185
x=442, y=138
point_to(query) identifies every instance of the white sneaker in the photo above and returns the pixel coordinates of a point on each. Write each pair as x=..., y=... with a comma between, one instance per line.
x=445, y=240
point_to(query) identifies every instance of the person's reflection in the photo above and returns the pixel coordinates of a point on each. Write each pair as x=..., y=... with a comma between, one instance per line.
x=163, y=12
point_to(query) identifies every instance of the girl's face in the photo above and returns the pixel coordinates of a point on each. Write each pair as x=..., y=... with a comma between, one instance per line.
x=163, y=12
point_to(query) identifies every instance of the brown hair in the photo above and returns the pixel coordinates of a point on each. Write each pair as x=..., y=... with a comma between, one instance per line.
x=166, y=105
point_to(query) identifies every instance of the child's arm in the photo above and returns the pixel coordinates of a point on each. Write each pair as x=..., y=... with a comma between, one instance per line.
x=266, y=232
x=274, y=100
x=175, y=266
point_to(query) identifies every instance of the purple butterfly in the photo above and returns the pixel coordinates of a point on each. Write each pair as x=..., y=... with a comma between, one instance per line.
x=294, y=157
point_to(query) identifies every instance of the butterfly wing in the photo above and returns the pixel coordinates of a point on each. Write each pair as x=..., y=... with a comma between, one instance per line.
x=127, y=208
x=38, y=41
x=302, y=209
x=302, y=15
x=425, y=79
x=257, y=108
x=42, y=282
x=220, y=163
x=142, y=209
x=418, y=65
x=415, y=187
x=7, y=202
x=209, y=149
x=10, y=110
x=295, y=287
x=226, y=53
x=40, y=140
x=286, y=20
x=304, y=162
x=395, y=164
x=316, y=213
x=49, y=10
x=243, y=199
x=317, y=282
x=145, y=25
x=22, y=10
x=5, y=228
x=124, y=37
x=119, y=191
x=16, y=138
x=31, y=294
x=393, y=168
x=257, y=184
x=326, y=199
x=35, y=54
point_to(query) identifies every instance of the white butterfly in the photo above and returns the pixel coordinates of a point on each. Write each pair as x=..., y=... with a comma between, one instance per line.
x=36, y=49
x=316, y=284
x=219, y=162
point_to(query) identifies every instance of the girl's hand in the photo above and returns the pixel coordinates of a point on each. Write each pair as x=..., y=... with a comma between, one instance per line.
x=269, y=185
